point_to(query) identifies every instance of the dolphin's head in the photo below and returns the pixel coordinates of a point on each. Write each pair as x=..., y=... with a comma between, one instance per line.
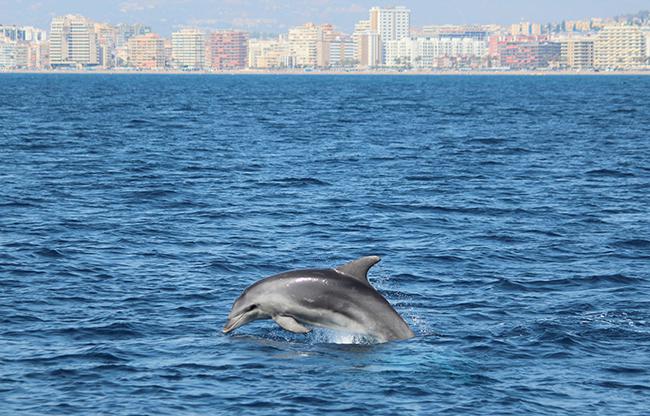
x=244, y=310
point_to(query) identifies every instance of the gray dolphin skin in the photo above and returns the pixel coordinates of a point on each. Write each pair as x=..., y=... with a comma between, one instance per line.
x=341, y=299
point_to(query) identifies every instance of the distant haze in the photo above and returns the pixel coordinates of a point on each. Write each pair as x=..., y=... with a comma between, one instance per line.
x=277, y=15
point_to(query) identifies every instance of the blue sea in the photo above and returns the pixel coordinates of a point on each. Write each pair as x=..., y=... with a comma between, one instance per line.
x=512, y=215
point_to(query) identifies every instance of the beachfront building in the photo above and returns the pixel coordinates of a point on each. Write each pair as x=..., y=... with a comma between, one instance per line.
x=106, y=44
x=309, y=44
x=13, y=54
x=342, y=52
x=23, y=47
x=577, y=54
x=146, y=52
x=367, y=45
x=645, y=30
x=124, y=32
x=440, y=52
x=529, y=54
x=620, y=47
x=270, y=54
x=188, y=49
x=391, y=24
x=227, y=49
x=73, y=42
x=333, y=49
x=39, y=57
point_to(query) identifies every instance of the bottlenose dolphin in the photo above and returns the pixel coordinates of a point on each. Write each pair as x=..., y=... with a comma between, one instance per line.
x=340, y=299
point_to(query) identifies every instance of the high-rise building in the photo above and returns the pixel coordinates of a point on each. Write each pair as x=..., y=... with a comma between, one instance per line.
x=188, y=49
x=646, y=33
x=7, y=53
x=305, y=42
x=328, y=36
x=23, y=33
x=577, y=54
x=342, y=52
x=146, y=51
x=367, y=45
x=8, y=32
x=23, y=47
x=370, y=50
x=526, y=29
x=227, y=49
x=619, y=47
x=124, y=32
x=106, y=44
x=14, y=55
x=73, y=42
x=393, y=23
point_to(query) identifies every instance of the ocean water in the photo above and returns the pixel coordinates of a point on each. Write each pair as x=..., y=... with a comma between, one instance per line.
x=512, y=215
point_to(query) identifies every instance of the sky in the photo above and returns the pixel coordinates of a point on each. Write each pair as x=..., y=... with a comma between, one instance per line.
x=276, y=16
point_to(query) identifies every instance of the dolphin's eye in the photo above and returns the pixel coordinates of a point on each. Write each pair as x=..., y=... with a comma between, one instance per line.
x=250, y=308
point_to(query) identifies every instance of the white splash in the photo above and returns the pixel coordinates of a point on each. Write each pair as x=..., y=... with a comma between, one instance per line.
x=330, y=336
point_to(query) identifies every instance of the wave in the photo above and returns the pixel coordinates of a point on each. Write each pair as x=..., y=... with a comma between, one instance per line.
x=609, y=173
x=634, y=243
x=578, y=282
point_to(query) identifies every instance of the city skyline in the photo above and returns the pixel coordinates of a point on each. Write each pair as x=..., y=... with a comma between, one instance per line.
x=166, y=16
x=384, y=39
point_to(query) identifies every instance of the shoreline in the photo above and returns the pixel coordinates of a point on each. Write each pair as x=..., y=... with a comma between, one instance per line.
x=338, y=73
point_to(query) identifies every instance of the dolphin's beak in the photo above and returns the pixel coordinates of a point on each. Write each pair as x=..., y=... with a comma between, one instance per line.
x=233, y=323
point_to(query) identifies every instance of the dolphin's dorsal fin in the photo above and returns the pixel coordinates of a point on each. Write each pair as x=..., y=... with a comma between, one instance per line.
x=359, y=268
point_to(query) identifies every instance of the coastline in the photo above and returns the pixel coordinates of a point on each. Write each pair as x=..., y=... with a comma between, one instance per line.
x=338, y=73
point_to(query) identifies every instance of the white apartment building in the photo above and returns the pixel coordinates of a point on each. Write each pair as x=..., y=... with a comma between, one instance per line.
x=188, y=49
x=342, y=52
x=73, y=42
x=646, y=34
x=14, y=55
x=391, y=24
x=620, y=47
x=309, y=44
x=426, y=52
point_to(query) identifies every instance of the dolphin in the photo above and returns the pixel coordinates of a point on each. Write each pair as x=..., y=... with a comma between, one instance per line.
x=341, y=299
